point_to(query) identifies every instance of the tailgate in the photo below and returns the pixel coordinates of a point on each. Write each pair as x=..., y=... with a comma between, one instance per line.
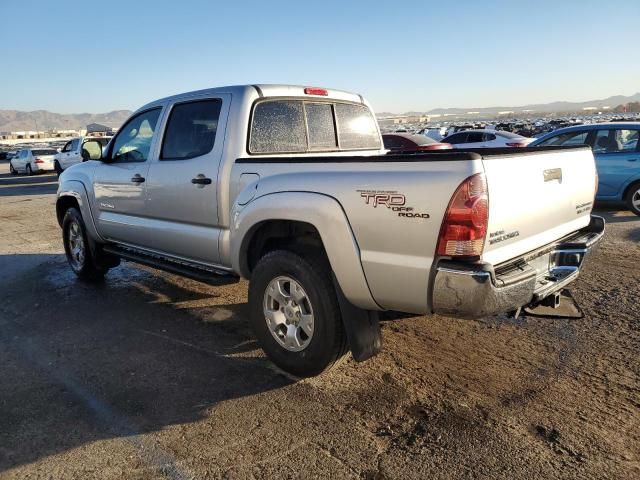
x=536, y=198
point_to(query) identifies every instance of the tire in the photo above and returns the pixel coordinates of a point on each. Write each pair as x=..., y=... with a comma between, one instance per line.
x=633, y=198
x=12, y=170
x=77, y=247
x=28, y=170
x=57, y=168
x=306, y=355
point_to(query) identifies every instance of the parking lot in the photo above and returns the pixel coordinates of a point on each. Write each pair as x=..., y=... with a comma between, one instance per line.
x=150, y=375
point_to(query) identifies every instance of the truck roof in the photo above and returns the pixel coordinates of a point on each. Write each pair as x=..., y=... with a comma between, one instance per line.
x=264, y=90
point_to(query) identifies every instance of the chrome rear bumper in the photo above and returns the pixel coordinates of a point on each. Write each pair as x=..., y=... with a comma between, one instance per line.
x=479, y=290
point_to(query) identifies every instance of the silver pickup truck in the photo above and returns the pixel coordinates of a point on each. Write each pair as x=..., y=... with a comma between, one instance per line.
x=291, y=188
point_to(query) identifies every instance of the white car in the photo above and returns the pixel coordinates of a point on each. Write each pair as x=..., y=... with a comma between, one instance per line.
x=71, y=153
x=32, y=161
x=435, y=133
x=486, y=139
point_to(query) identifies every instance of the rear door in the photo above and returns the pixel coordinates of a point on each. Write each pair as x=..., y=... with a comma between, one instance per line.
x=119, y=183
x=182, y=196
x=18, y=161
x=617, y=159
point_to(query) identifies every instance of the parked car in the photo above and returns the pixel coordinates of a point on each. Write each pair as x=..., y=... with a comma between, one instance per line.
x=32, y=161
x=435, y=133
x=74, y=152
x=292, y=188
x=617, y=153
x=406, y=142
x=486, y=139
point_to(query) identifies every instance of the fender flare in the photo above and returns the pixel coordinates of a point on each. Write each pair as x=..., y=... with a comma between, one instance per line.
x=323, y=212
x=77, y=190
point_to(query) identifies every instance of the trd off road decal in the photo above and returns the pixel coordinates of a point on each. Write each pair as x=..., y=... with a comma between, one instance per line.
x=392, y=200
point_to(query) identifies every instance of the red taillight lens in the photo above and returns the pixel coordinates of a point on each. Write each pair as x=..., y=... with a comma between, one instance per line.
x=464, y=227
x=516, y=144
x=316, y=91
x=39, y=161
x=435, y=146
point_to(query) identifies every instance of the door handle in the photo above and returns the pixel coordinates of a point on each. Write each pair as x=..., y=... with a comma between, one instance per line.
x=137, y=178
x=201, y=180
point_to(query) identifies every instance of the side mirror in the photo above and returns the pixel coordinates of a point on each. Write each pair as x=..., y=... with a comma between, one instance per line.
x=91, y=150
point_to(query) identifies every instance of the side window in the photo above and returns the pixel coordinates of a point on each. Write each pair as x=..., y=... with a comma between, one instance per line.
x=356, y=127
x=74, y=144
x=392, y=142
x=278, y=127
x=475, y=137
x=191, y=129
x=457, y=139
x=322, y=132
x=488, y=137
x=67, y=147
x=134, y=139
x=604, y=142
x=627, y=140
x=569, y=138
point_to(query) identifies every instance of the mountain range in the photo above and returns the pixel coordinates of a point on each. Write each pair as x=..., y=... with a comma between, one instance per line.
x=15, y=120
x=560, y=106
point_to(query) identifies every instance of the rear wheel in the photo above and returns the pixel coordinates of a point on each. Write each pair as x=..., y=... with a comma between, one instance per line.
x=633, y=198
x=28, y=170
x=57, y=168
x=77, y=249
x=295, y=314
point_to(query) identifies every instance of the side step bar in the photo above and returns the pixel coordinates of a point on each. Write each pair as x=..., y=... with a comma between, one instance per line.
x=209, y=275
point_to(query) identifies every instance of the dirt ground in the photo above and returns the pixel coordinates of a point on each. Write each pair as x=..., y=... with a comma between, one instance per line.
x=153, y=376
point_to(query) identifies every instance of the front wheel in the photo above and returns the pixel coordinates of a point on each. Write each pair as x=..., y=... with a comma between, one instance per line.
x=295, y=314
x=12, y=170
x=633, y=198
x=77, y=249
x=57, y=168
x=28, y=170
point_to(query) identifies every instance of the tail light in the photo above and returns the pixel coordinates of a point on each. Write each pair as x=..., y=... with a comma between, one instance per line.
x=464, y=227
x=38, y=160
x=516, y=144
x=435, y=146
x=316, y=91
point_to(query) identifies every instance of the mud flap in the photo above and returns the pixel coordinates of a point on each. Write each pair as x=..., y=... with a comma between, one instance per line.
x=362, y=327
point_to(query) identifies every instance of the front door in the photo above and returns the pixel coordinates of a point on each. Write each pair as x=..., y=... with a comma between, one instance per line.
x=119, y=181
x=182, y=201
x=68, y=154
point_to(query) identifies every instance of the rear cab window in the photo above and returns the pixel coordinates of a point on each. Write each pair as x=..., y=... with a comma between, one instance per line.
x=282, y=126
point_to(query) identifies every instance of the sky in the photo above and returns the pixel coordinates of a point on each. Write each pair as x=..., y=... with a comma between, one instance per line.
x=79, y=56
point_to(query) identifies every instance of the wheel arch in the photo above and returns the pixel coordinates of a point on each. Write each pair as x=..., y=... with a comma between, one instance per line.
x=630, y=185
x=308, y=220
x=73, y=193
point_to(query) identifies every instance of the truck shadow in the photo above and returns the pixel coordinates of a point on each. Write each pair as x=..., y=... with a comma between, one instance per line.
x=132, y=355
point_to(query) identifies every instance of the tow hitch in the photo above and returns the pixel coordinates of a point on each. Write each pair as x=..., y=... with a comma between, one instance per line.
x=557, y=305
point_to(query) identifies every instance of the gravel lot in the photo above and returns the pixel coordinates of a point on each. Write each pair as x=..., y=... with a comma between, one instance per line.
x=153, y=376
